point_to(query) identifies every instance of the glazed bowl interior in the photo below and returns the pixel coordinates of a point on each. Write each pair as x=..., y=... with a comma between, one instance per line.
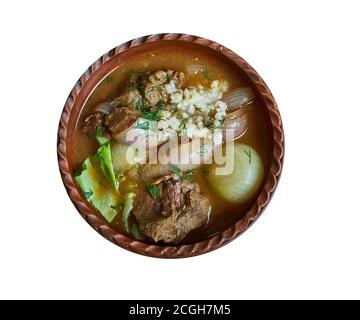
x=103, y=81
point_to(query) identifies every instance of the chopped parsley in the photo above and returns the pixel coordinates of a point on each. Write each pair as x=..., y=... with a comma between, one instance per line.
x=154, y=116
x=203, y=149
x=153, y=113
x=205, y=73
x=88, y=194
x=176, y=170
x=187, y=175
x=109, y=78
x=183, y=124
x=154, y=190
x=139, y=84
x=209, y=123
x=168, y=78
x=138, y=105
x=143, y=125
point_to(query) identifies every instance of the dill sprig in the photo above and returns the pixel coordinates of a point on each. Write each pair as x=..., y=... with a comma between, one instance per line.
x=152, y=189
x=248, y=153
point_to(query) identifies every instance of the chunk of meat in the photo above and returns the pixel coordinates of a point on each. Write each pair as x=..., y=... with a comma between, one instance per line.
x=121, y=119
x=127, y=98
x=179, y=77
x=155, y=94
x=91, y=122
x=155, y=87
x=158, y=78
x=180, y=209
x=173, y=200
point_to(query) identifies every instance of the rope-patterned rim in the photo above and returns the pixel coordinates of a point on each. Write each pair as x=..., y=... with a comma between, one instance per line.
x=187, y=250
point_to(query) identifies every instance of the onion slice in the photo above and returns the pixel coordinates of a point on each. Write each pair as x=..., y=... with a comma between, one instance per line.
x=235, y=124
x=237, y=98
x=240, y=178
x=105, y=107
x=187, y=156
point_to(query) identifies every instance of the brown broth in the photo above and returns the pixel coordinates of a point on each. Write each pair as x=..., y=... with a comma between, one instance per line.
x=178, y=58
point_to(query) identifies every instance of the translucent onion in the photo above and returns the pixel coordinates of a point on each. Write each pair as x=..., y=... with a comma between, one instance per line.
x=187, y=156
x=136, y=135
x=235, y=124
x=105, y=107
x=241, y=183
x=153, y=171
x=124, y=157
x=239, y=97
x=143, y=133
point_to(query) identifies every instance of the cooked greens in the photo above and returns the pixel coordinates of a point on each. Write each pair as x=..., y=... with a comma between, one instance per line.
x=128, y=206
x=135, y=231
x=104, y=157
x=99, y=135
x=89, y=181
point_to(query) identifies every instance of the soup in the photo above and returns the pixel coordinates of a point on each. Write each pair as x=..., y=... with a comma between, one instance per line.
x=171, y=146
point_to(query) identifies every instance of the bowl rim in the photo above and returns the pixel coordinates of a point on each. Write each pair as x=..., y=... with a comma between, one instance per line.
x=185, y=250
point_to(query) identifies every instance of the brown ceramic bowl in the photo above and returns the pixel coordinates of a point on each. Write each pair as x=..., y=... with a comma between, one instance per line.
x=76, y=101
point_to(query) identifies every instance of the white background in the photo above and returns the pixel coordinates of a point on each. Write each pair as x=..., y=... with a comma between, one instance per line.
x=306, y=245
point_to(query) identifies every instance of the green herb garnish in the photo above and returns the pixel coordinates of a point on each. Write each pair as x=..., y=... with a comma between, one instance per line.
x=183, y=124
x=168, y=78
x=220, y=124
x=248, y=153
x=187, y=175
x=109, y=78
x=143, y=125
x=139, y=84
x=139, y=105
x=209, y=123
x=203, y=149
x=153, y=114
x=205, y=73
x=133, y=85
x=176, y=170
x=88, y=194
x=154, y=190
